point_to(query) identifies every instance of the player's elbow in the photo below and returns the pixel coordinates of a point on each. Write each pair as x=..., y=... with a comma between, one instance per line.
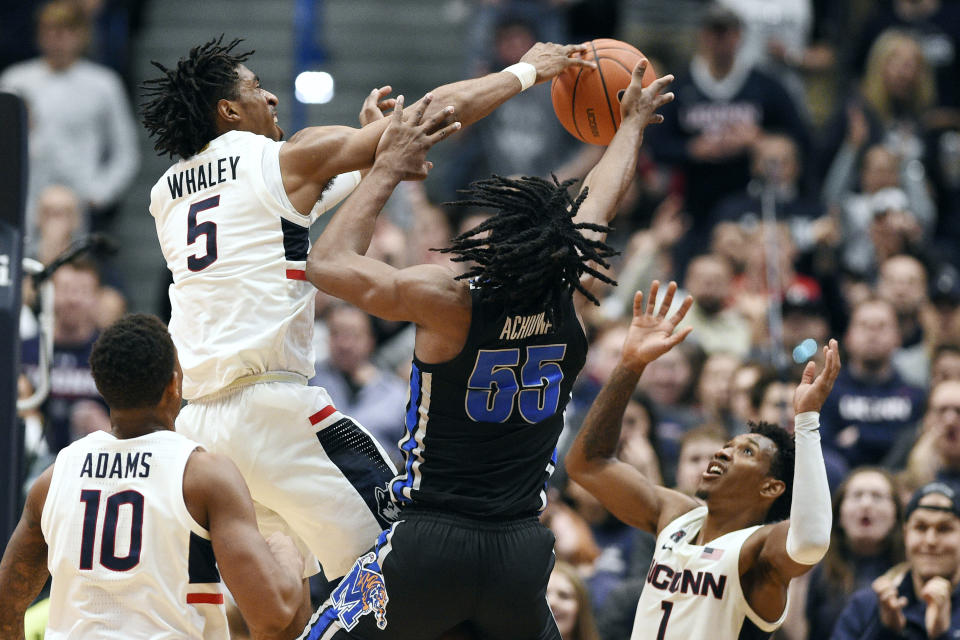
x=273, y=619
x=810, y=548
x=320, y=256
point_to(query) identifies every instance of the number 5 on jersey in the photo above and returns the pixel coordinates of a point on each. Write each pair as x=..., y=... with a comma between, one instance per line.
x=196, y=230
x=493, y=384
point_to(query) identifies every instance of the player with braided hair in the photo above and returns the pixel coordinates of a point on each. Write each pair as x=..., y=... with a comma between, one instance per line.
x=494, y=361
x=233, y=218
x=534, y=235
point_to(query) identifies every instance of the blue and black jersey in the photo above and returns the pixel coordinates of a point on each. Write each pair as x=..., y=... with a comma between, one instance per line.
x=482, y=428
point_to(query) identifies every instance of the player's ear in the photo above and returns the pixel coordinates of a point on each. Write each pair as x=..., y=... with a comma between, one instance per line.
x=772, y=488
x=227, y=111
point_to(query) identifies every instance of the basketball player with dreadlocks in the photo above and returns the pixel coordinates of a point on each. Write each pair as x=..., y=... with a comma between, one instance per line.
x=233, y=217
x=720, y=570
x=497, y=351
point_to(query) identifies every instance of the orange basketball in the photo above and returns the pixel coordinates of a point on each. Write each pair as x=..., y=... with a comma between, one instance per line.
x=586, y=101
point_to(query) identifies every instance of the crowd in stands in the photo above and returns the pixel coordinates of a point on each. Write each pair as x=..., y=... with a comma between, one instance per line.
x=805, y=184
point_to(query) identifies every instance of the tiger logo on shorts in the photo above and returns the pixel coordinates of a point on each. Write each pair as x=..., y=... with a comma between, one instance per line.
x=361, y=591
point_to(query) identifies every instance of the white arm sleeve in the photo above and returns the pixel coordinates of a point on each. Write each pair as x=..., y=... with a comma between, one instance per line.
x=811, y=513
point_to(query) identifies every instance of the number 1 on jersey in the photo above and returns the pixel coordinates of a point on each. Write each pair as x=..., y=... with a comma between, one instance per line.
x=667, y=608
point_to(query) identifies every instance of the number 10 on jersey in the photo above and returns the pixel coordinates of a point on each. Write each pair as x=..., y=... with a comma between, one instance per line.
x=493, y=384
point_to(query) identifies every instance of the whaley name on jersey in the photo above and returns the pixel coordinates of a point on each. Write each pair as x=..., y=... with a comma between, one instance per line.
x=116, y=465
x=202, y=176
x=520, y=327
x=701, y=583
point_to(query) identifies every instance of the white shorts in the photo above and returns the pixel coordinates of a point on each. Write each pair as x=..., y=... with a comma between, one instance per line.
x=313, y=472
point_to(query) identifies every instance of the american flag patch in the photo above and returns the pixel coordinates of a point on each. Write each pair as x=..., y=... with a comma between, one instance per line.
x=709, y=553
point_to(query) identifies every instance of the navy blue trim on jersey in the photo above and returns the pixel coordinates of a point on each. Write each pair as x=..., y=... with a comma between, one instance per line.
x=296, y=241
x=409, y=442
x=354, y=453
x=750, y=631
x=201, y=563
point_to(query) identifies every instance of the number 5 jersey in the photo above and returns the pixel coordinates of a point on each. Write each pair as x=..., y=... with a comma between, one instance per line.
x=237, y=249
x=127, y=558
x=482, y=428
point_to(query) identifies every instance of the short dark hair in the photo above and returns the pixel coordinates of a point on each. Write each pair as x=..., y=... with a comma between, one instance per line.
x=781, y=467
x=179, y=111
x=132, y=362
x=534, y=254
x=768, y=377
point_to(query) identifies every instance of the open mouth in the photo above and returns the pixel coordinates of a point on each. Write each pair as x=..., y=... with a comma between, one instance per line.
x=714, y=469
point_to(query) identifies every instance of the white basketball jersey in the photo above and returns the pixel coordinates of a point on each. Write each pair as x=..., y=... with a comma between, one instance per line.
x=694, y=591
x=127, y=558
x=237, y=249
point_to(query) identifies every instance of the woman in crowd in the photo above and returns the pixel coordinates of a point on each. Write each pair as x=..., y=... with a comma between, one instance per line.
x=570, y=604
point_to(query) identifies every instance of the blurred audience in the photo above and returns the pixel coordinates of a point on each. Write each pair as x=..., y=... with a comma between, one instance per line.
x=81, y=128
x=569, y=601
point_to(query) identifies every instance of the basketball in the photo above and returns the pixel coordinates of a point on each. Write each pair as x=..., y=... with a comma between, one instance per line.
x=587, y=101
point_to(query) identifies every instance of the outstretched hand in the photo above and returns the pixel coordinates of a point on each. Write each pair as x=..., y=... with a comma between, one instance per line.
x=651, y=333
x=375, y=105
x=642, y=102
x=404, y=144
x=551, y=59
x=813, y=391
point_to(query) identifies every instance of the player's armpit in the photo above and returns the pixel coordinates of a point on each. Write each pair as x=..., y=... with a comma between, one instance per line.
x=23, y=570
x=268, y=594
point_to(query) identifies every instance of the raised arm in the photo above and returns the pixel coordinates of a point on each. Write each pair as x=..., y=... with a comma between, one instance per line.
x=592, y=461
x=314, y=155
x=609, y=180
x=23, y=570
x=424, y=294
x=265, y=579
x=783, y=551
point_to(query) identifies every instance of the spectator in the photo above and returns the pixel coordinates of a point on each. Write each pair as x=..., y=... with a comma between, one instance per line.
x=82, y=132
x=871, y=405
x=903, y=283
x=945, y=364
x=934, y=23
x=570, y=603
x=76, y=294
x=721, y=108
x=523, y=136
x=775, y=165
x=936, y=454
x=59, y=224
x=373, y=397
x=696, y=450
x=741, y=386
x=923, y=601
x=866, y=541
x=715, y=326
x=889, y=109
x=713, y=392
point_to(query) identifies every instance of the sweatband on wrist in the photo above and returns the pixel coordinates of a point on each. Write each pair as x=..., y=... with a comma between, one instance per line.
x=811, y=511
x=526, y=73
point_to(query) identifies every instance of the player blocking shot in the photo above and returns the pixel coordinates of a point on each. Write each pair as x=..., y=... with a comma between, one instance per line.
x=496, y=353
x=139, y=526
x=725, y=566
x=233, y=217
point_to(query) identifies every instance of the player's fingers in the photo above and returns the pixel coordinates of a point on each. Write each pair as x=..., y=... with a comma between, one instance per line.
x=398, y=110
x=667, y=300
x=573, y=49
x=580, y=62
x=808, y=372
x=437, y=136
x=660, y=83
x=663, y=99
x=386, y=105
x=436, y=121
x=652, y=300
x=682, y=311
x=639, y=69
x=655, y=119
x=680, y=336
x=638, y=304
x=422, y=108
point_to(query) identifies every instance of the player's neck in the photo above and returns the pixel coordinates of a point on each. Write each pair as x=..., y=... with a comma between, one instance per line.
x=133, y=423
x=721, y=521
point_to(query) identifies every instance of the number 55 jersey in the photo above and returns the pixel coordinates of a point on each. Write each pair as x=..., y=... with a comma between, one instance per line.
x=127, y=558
x=482, y=428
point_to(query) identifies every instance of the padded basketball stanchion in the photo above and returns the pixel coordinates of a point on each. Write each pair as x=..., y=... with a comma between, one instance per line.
x=13, y=186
